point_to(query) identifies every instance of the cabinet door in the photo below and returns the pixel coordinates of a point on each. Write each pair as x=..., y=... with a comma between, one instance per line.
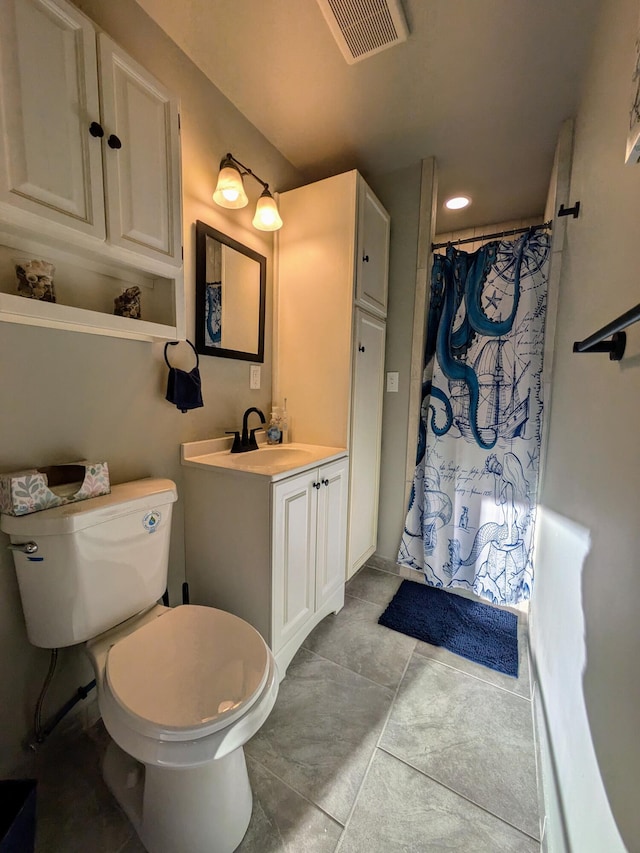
x=331, y=530
x=50, y=164
x=366, y=431
x=372, y=252
x=294, y=535
x=141, y=157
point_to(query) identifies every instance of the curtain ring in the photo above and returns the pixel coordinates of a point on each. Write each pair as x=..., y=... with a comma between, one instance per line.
x=175, y=344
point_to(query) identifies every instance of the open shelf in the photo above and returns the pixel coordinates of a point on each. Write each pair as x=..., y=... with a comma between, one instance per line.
x=86, y=285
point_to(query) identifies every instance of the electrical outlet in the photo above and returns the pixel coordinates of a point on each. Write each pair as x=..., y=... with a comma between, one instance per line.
x=392, y=381
x=254, y=377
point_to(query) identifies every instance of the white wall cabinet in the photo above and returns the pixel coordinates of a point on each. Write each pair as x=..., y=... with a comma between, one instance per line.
x=142, y=174
x=331, y=297
x=272, y=553
x=372, y=262
x=89, y=158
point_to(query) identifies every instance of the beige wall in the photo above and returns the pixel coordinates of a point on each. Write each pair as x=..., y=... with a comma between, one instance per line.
x=584, y=614
x=67, y=395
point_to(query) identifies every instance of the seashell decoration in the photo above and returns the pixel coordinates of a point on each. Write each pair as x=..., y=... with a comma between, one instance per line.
x=35, y=279
x=128, y=303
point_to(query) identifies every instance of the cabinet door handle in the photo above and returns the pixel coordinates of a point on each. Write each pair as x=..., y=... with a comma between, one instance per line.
x=114, y=142
x=365, y=259
x=360, y=348
x=316, y=485
x=95, y=129
x=325, y=482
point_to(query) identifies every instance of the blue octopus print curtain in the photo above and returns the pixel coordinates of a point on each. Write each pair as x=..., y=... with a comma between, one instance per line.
x=472, y=507
x=213, y=314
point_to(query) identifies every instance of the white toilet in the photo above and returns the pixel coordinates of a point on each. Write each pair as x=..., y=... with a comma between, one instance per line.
x=180, y=690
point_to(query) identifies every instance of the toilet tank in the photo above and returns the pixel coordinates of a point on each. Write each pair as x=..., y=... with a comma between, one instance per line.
x=97, y=563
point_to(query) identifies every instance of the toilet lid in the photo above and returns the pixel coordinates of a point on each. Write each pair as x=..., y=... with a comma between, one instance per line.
x=189, y=672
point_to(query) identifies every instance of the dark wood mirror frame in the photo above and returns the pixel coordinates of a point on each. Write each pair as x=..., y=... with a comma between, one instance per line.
x=204, y=231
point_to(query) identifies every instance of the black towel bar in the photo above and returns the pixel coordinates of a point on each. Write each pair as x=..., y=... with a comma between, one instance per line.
x=615, y=347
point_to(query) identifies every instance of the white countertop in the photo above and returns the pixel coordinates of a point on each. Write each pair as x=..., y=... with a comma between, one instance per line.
x=274, y=461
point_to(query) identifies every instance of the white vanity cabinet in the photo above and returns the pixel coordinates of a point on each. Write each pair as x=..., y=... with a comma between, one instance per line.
x=89, y=175
x=330, y=309
x=309, y=539
x=270, y=549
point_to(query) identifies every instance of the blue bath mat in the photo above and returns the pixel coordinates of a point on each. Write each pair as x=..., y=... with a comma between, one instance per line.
x=475, y=631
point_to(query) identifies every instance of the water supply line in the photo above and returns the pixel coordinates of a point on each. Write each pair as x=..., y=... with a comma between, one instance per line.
x=42, y=732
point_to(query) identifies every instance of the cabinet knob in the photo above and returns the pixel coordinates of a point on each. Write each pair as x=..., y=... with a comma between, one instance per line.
x=95, y=129
x=365, y=259
x=325, y=482
x=316, y=485
x=114, y=142
x=360, y=348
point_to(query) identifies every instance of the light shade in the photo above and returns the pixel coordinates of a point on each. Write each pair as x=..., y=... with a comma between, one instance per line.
x=267, y=217
x=229, y=191
x=457, y=202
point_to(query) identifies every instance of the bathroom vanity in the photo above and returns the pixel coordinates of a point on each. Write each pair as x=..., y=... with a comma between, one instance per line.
x=265, y=535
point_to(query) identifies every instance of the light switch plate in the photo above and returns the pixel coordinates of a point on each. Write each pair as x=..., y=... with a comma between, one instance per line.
x=392, y=380
x=254, y=377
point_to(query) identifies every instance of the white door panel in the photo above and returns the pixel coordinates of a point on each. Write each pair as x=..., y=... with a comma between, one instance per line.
x=331, y=529
x=51, y=164
x=366, y=430
x=142, y=173
x=294, y=534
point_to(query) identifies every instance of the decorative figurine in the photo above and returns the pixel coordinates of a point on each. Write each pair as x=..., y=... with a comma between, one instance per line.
x=128, y=303
x=35, y=280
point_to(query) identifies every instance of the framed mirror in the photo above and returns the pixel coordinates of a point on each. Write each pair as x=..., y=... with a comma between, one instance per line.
x=230, y=297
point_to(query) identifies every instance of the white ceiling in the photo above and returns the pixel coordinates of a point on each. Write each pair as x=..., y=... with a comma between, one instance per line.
x=483, y=85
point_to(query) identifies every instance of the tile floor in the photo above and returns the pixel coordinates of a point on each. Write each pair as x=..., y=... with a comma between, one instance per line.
x=377, y=743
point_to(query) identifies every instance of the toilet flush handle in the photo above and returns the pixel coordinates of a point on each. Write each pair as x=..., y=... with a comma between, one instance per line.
x=24, y=547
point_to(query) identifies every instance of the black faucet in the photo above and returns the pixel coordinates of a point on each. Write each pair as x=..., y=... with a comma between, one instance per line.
x=248, y=440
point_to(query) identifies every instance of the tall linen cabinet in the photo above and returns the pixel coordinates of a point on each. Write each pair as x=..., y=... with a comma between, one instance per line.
x=329, y=327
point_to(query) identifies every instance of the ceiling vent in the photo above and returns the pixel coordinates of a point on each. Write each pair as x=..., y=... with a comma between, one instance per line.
x=364, y=27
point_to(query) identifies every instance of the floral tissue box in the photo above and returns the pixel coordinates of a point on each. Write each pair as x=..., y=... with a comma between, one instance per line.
x=42, y=488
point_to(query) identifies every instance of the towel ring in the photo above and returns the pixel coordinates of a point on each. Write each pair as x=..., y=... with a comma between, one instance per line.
x=175, y=344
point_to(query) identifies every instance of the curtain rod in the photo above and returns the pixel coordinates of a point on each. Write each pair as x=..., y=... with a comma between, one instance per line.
x=480, y=237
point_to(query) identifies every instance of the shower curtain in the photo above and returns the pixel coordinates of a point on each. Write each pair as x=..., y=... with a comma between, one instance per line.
x=472, y=506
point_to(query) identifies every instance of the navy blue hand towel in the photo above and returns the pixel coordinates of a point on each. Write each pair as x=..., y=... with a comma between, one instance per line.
x=184, y=389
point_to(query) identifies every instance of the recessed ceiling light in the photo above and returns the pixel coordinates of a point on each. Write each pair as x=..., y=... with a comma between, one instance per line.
x=458, y=202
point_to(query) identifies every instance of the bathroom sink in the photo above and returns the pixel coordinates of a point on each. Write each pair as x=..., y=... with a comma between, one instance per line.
x=271, y=460
x=271, y=454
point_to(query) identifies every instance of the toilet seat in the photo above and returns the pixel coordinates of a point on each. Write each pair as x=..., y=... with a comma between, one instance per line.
x=187, y=674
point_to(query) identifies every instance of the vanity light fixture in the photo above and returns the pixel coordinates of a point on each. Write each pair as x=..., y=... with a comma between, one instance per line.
x=229, y=193
x=457, y=202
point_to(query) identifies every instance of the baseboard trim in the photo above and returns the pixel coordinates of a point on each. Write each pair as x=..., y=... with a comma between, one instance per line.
x=553, y=827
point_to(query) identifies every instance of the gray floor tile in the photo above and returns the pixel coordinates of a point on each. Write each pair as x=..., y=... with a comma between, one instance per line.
x=373, y=585
x=354, y=639
x=520, y=685
x=322, y=731
x=283, y=821
x=473, y=737
x=76, y=811
x=383, y=564
x=399, y=810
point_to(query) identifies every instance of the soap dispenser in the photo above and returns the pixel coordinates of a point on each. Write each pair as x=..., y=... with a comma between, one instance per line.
x=274, y=431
